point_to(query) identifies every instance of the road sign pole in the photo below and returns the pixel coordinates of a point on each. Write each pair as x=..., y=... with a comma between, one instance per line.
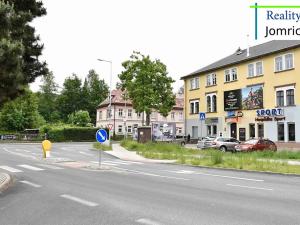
x=99, y=154
x=101, y=137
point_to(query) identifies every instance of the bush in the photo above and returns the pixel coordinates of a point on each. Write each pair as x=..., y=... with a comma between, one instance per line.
x=72, y=134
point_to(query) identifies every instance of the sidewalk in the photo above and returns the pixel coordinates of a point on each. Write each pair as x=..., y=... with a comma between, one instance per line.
x=121, y=153
x=5, y=181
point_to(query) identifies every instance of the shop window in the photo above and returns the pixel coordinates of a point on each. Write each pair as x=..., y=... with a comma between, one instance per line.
x=260, y=128
x=209, y=130
x=212, y=130
x=291, y=131
x=280, y=131
x=252, y=130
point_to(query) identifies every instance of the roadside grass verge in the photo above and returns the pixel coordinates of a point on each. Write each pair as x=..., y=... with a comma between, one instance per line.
x=102, y=147
x=256, y=161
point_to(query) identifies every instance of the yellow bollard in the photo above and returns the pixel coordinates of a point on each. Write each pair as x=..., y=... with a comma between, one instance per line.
x=46, y=145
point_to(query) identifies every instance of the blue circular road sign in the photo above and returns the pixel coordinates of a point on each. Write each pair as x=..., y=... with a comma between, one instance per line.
x=101, y=135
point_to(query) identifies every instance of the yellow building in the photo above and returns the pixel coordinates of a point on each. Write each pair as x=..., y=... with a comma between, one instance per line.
x=249, y=94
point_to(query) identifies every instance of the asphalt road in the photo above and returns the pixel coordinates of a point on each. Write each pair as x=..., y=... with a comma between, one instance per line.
x=69, y=189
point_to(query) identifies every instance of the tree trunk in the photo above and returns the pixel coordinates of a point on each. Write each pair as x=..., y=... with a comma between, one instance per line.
x=148, y=119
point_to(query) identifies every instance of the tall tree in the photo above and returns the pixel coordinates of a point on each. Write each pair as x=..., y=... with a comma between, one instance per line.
x=147, y=85
x=21, y=113
x=98, y=91
x=48, y=98
x=70, y=99
x=20, y=47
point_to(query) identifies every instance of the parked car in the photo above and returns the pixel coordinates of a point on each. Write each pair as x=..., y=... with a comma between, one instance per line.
x=225, y=144
x=206, y=142
x=256, y=145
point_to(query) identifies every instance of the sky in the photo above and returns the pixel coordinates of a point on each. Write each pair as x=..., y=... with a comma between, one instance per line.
x=184, y=34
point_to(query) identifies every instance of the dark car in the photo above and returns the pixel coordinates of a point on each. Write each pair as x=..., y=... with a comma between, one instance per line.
x=256, y=145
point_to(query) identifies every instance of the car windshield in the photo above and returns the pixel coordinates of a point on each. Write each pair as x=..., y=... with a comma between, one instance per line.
x=251, y=142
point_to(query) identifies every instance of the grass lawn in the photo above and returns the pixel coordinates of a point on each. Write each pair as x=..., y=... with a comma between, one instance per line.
x=215, y=158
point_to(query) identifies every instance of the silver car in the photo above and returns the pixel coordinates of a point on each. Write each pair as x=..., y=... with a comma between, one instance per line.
x=225, y=144
x=205, y=142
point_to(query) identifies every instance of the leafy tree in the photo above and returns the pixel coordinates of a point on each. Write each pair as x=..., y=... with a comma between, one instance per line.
x=20, y=47
x=70, y=99
x=98, y=91
x=80, y=118
x=147, y=85
x=21, y=113
x=48, y=98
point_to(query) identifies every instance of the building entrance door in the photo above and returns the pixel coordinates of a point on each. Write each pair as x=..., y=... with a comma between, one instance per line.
x=233, y=130
x=194, y=131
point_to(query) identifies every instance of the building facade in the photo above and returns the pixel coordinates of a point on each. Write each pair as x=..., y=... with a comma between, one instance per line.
x=124, y=118
x=250, y=94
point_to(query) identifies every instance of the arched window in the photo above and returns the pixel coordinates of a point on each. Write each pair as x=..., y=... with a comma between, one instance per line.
x=214, y=103
x=208, y=104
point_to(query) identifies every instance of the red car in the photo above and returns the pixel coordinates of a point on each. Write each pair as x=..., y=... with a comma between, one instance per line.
x=256, y=145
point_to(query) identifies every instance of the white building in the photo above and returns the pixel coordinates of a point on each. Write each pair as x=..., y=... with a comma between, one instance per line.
x=123, y=115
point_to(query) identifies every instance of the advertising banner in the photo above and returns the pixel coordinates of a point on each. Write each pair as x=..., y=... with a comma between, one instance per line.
x=163, y=131
x=232, y=100
x=252, y=97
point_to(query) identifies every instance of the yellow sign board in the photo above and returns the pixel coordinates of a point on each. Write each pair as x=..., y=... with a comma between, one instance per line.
x=46, y=145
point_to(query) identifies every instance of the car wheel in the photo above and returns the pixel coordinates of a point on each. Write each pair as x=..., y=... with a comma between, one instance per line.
x=223, y=148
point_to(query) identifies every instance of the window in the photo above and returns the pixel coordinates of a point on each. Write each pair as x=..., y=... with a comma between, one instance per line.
x=285, y=96
x=291, y=131
x=129, y=129
x=280, y=131
x=290, y=97
x=251, y=70
x=194, y=83
x=252, y=130
x=120, y=113
x=288, y=61
x=194, y=107
x=211, y=79
x=108, y=113
x=260, y=130
x=179, y=130
x=259, y=68
x=180, y=115
x=100, y=115
x=173, y=115
x=129, y=113
x=211, y=101
x=212, y=130
x=230, y=74
x=153, y=115
x=280, y=98
x=138, y=114
x=284, y=62
x=120, y=130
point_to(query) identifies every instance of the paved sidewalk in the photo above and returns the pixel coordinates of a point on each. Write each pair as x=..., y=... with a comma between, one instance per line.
x=5, y=181
x=121, y=153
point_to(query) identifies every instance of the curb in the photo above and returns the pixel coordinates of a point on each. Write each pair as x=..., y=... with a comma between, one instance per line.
x=6, y=183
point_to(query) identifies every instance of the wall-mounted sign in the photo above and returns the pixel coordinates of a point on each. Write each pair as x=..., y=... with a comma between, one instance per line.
x=252, y=97
x=232, y=100
x=269, y=118
x=232, y=120
x=239, y=114
x=269, y=112
x=212, y=120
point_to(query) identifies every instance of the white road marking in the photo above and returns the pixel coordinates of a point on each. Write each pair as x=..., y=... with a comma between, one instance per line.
x=31, y=167
x=19, y=154
x=215, y=175
x=84, y=153
x=10, y=169
x=109, y=164
x=117, y=162
x=257, y=188
x=79, y=200
x=147, y=221
x=30, y=183
x=152, y=174
x=50, y=166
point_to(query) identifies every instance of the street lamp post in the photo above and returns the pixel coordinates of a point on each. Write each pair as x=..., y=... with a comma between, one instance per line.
x=110, y=90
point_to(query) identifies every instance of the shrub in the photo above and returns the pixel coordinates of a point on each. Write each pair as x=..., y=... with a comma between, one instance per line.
x=72, y=134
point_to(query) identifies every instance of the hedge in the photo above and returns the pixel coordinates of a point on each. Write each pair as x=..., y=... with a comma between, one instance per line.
x=72, y=134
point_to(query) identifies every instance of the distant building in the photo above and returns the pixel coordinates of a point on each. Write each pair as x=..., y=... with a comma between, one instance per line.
x=124, y=117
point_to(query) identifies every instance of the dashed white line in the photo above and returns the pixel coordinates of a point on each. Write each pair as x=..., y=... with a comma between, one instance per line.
x=30, y=183
x=249, y=187
x=10, y=169
x=50, y=166
x=147, y=221
x=79, y=200
x=31, y=167
x=84, y=153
